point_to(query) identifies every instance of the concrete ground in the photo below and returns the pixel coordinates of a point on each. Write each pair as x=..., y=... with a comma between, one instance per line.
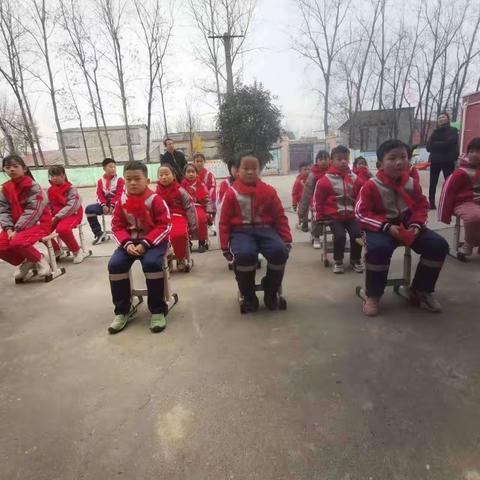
x=316, y=392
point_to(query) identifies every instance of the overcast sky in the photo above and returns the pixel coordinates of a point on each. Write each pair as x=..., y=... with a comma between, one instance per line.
x=270, y=60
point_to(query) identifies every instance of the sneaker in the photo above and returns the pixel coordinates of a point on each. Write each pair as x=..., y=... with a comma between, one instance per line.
x=304, y=227
x=269, y=299
x=23, y=270
x=338, y=268
x=316, y=243
x=370, y=306
x=60, y=255
x=43, y=267
x=79, y=257
x=249, y=306
x=181, y=264
x=202, y=248
x=120, y=321
x=212, y=231
x=466, y=249
x=357, y=266
x=99, y=238
x=158, y=322
x=425, y=300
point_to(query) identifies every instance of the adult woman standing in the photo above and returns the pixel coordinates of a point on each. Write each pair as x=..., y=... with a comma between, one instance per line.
x=443, y=148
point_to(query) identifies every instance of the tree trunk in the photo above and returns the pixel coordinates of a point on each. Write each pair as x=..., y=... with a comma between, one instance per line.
x=163, y=106
x=102, y=113
x=8, y=137
x=94, y=110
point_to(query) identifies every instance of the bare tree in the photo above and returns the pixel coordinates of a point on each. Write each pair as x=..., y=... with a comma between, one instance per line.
x=190, y=123
x=11, y=37
x=156, y=37
x=221, y=17
x=321, y=40
x=112, y=13
x=44, y=22
x=74, y=25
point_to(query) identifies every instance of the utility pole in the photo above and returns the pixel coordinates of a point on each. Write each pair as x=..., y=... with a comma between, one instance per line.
x=227, y=44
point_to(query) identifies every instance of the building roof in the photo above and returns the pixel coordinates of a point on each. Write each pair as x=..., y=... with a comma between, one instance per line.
x=185, y=136
x=376, y=117
x=109, y=128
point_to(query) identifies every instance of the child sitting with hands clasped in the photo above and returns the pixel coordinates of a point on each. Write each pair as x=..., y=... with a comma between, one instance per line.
x=334, y=204
x=253, y=221
x=461, y=197
x=24, y=219
x=203, y=205
x=393, y=211
x=141, y=226
x=299, y=186
x=182, y=210
x=66, y=207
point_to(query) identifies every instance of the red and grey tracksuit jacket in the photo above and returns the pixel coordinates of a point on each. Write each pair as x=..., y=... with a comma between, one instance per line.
x=381, y=205
x=179, y=203
x=64, y=200
x=32, y=206
x=363, y=174
x=199, y=193
x=252, y=206
x=224, y=186
x=208, y=178
x=335, y=195
x=144, y=219
x=462, y=186
x=109, y=190
x=297, y=190
x=316, y=173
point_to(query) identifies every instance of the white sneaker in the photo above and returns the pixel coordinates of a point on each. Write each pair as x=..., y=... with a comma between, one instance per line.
x=425, y=300
x=466, y=249
x=338, y=268
x=43, y=267
x=357, y=266
x=212, y=231
x=23, y=270
x=317, y=245
x=79, y=257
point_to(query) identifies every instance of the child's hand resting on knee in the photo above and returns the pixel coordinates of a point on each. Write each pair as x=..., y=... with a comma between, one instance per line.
x=11, y=234
x=132, y=250
x=140, y=249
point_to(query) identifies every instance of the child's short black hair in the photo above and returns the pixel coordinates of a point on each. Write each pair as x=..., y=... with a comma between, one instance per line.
x=189, y=164
x=322, y=154
x=136, y=165
x=55, y=170
x=358, y=159
x=198, y=154
x=474, y=145
x=106, y=161
x=303, y=165
x=167, y=165
x=246, y=153
x=389, y=145
x=340, y=150
x=16, y=159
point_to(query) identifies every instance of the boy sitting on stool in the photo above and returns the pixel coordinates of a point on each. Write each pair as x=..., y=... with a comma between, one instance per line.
x=141, y=226
x=393, y=211
x=109, y=190
x=334, y=201
x=253, y=221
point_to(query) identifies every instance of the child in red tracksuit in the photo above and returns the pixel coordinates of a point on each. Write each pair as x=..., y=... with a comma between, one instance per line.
x=360, y=169
x=461, y=196
x=299, y=185
x=208, y=178
x=228, y=182
x=24, y=219
x=334, y=204
x=182, y=210
x=141, y=226
x=109, y=191
x=66, y=207
x=203, y=206
x=393, y=211
x=253, y=221
x=318, y=170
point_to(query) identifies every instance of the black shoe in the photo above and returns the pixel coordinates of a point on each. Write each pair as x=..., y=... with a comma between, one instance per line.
x=250, y=305
x=304, y=227
x=202, y=248
x=269, y=299
x=433, y=206
x=99, y=238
